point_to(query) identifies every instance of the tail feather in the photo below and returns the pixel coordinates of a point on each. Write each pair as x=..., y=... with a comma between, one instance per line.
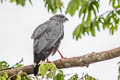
x=36, y=68
x=38, y=58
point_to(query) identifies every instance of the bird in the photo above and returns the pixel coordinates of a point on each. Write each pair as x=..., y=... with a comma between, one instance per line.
x=47, y=39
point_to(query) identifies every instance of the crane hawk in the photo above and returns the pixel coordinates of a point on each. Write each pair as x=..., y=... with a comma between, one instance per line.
x=47, y=38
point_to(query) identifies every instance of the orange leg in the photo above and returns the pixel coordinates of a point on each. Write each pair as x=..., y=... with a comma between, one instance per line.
x=48, y=61
x=62, y=57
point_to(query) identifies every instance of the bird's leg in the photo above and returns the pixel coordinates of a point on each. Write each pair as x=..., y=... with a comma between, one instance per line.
x=62, y=57
x=48, y=61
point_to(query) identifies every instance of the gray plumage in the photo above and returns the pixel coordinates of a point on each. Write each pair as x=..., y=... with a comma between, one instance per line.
x=47, y=37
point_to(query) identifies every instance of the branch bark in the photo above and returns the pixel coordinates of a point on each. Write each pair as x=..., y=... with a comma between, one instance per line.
x=79, y=61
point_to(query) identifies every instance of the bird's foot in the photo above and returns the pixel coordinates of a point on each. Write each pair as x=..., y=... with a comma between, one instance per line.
x=48, y=61
x=63, y=58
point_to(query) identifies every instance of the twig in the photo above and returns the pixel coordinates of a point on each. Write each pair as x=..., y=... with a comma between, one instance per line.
x=13, y=65
x=17, y=63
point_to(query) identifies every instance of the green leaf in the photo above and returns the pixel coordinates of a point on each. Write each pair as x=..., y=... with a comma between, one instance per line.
x=89, y=17
x=53, y=5
x=96, y=22
x=106, y=23
x=87, y=7
x=77, y=32
x=112, y=30
x=50, y=75
x=81, y=11
x=96, y=3
x=84, y=14
x=9, y=79
x=118, y=11
x=87, y=30
x=115, y=3
x=74, y=77
x=81, y=29
x=52, y=70
x=73, y=6
x=30, y=2
x=4, y=74
x=20, y=2
x=58, y=3
x=24, y=78
x=90, y=78
x=94, y=11
x=43, y=69
x=101, y=19
x=12, y=0
x=53, y=66
x=92, y=29
x=2, y=78
x=18, y=76
x=18, y=65
x=3, y=65
x=60, y=71
x=116, y=27
x=59, y=76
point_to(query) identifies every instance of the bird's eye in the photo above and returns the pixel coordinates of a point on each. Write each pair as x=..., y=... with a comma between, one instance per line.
x=62, y=16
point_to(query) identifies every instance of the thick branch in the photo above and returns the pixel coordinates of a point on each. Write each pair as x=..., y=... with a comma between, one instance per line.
x=80, y=61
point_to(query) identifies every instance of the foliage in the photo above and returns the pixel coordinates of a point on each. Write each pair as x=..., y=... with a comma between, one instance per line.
x=5, y=66
x=53, y=5
x=91, y=21
x=46, y=71
x=21, y=2
x=3, y=76
x=87, y=77
x=74, y=77
x=51, y=72
x=43, y=69
x=73, y=6
x=114, y=2
x=18, y=65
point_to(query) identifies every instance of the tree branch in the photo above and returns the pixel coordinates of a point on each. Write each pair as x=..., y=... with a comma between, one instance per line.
x=79, y=61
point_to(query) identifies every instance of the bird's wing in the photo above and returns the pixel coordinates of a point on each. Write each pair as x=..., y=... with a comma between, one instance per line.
x=53, y=32
x=40, y=43
x=39, y=30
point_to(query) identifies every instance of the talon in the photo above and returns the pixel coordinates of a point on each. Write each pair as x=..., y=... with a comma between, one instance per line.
x=63, y=58
x=48, y=61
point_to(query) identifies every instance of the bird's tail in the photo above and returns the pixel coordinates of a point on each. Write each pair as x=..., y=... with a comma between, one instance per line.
x=36, y=68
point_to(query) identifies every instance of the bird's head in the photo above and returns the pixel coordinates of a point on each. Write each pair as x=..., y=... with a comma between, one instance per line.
x=59, y=17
